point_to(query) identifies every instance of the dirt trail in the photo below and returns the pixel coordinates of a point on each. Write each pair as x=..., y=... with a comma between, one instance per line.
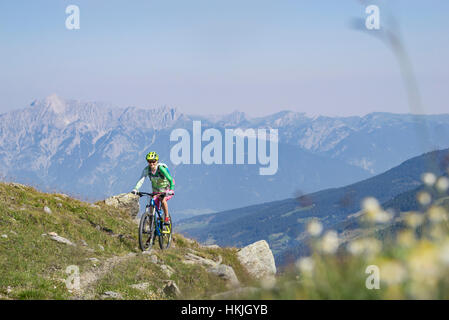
x=90, y=277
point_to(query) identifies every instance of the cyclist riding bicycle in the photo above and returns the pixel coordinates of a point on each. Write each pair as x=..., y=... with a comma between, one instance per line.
x=161, y=181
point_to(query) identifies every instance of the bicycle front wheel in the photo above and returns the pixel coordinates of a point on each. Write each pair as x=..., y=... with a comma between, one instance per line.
x=146, y=230
x=166, y=236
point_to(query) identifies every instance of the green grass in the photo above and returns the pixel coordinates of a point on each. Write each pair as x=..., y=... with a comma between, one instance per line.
x=31, y=263
x=191, y=279
x=32, y=266
x=413, y=260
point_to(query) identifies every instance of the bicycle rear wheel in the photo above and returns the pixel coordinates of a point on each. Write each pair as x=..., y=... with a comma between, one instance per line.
x=146, y=230
x=166, y=236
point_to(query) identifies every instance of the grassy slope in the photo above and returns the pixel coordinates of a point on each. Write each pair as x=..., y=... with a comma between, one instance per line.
x=32, y=266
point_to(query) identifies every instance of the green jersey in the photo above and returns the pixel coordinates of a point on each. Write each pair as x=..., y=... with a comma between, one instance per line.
x=161, y=179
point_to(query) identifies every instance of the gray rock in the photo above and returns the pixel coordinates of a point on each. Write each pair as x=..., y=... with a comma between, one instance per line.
x=47, y=210
x=83, y=243
x=225, y=272
x=193, y=251
x=140, y=286
x=101, y=247
x=258, y=260
x=153, y=259
x=171, y=289
x=59, y=204
x=95, y=206
x=191, y=258
x=111, y=295
x=214, y=267
x=167, y=270
x=126, y=201
x=54, y=236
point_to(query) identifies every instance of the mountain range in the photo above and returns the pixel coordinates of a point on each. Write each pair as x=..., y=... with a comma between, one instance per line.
x=93, y=150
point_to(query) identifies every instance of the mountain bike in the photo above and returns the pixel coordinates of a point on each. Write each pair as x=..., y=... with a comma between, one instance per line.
x=152, y=224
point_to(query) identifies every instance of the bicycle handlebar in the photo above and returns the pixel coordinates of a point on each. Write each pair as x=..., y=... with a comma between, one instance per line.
x=141, y=194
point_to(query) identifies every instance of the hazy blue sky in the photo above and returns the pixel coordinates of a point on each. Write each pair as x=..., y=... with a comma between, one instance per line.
x=215, y=56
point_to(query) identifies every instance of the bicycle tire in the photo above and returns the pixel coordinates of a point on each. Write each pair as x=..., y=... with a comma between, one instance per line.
x=146, y=230
x=165, y=238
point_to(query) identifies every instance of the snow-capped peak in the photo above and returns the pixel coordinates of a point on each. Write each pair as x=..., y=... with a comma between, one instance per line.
x=55, y=103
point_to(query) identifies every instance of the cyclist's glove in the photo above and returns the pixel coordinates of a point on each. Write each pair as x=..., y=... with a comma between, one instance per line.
x=134, y=191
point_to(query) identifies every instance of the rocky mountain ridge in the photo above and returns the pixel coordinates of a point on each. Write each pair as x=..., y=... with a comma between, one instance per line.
x=94, y=150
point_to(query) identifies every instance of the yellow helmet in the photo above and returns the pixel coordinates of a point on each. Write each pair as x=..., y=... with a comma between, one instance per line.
x=152, y=156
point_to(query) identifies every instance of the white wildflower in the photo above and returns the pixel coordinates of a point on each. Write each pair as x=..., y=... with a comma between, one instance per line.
x=442, y=184
x=314, y=228
x=383, y=216
x=406, y=238
x=367, y=246
x=330, y=242
x=429, y=179
x=413, y=219
x=372, y=210
x=305, y=265
x=424, y=198
x=370, y=205
x=437, y=214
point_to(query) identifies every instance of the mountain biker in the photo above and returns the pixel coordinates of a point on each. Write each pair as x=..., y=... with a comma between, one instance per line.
x=161, y=181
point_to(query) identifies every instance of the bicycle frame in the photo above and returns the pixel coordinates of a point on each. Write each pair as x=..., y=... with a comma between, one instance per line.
x=158, y=228
x=159, y=218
